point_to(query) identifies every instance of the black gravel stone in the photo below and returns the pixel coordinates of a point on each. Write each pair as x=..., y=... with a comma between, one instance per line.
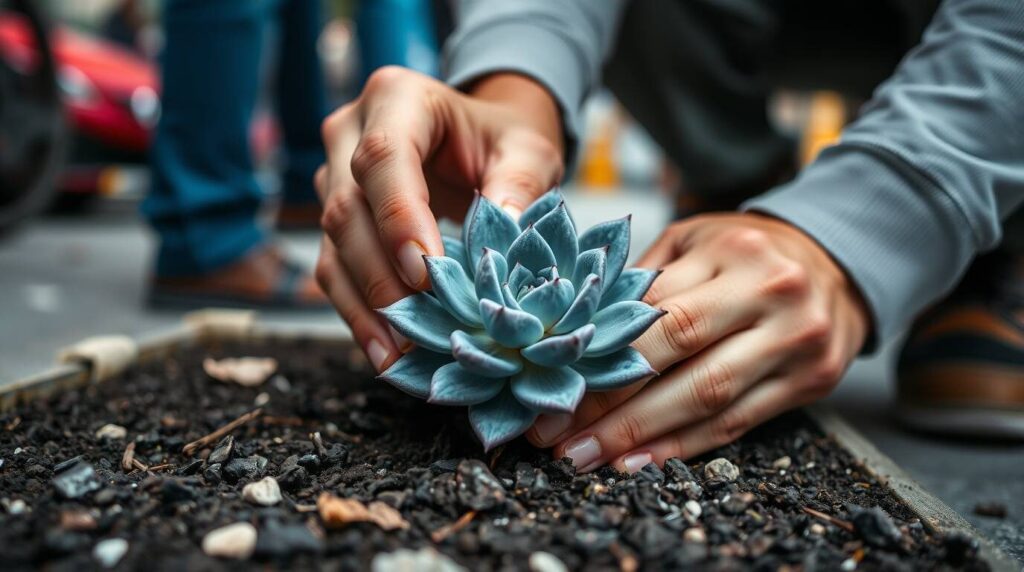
x=75, y=480
x=875, y=527
x=478, y=489
x=248, y=469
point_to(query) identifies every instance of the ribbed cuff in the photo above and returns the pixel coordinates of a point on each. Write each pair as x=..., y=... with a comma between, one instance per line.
x=531, y=49
x=899, y=236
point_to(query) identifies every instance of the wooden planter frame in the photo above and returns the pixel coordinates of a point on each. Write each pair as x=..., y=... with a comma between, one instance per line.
x=211, y=327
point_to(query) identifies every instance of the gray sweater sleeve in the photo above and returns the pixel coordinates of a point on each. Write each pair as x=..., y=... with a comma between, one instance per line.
x=559, y=43
x=919, y=184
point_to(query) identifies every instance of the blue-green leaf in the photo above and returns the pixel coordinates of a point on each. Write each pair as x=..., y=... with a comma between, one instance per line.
x=519, y=277
x=453, y=248
x=593, y=261
x=615, y=235
x=453, y=289
x=614, y=370
x=501, y=419
x=490, y=275
x=412, y=372
x=582, y=308
x=482, y=356
x=422, y=319
x=619, y=324
x=558, y=351
x=509, y=298
x=510, y=328
x=549, y=301
x=454, y=385
x=530, y=250
x=549, y=390
x=540, y=207
x=488, y=227
x=632, y=284
x=557, y=230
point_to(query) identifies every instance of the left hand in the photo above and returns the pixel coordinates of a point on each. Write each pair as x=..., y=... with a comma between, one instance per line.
x=760, y=320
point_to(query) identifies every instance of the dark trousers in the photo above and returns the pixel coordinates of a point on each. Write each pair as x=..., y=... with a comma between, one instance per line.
x=205, y=197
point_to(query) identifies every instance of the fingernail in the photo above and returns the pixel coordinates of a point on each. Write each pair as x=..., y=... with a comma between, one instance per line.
x=548, y=427
x=410, y=258
x=637, y=461
x=583, y=451
x=512, y=210
x=401, y=342
x=377, y=353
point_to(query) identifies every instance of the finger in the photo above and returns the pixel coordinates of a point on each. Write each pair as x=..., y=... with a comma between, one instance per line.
x=688, y=394
x=696, y=319
x=362, y=256
x=671, y=245
x=761, y=403
x=367, y=329
x=527, y=166
x=388, y=165
x=679, y=275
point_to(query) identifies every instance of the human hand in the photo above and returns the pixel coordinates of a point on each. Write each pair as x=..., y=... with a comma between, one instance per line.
x=759, y=320
x=411, y=149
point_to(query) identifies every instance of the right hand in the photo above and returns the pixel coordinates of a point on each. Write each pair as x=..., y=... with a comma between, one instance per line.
x=411, y=149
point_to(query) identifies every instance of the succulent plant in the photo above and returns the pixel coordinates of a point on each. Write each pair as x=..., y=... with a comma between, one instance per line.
x=523, y=317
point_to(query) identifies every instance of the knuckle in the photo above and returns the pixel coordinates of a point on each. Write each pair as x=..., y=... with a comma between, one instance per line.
x=380, y=290
x=333, y=218
x=323, y=272
x=332, y=125
x=374, y=148
x=386, y=77
x=391, y=212
x=787, y=279
x=747, y=241
x=827, y=371
x=684, y=328
x=712, y=391
x=628, y=430
x=816, y=332
x=729, y=426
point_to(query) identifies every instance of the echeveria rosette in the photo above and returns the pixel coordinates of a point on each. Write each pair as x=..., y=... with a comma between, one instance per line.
x=523, y=318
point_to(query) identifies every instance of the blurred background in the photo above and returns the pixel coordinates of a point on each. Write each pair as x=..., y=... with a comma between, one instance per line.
x=80, y=97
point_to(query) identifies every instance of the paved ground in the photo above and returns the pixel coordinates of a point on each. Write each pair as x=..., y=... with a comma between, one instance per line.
x=62, y=279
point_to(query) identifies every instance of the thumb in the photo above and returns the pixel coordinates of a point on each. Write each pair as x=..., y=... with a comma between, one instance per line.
x=525, y=170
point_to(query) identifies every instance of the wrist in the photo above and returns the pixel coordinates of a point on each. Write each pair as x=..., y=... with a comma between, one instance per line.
x=525, y=97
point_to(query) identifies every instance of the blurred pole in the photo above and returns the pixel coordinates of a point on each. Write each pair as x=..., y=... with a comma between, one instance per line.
x=397, y=32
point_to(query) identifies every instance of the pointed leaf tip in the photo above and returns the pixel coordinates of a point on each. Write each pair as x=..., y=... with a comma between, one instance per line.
x=500, y=419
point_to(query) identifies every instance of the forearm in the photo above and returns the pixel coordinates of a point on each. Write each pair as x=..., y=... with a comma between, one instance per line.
x=919, y=183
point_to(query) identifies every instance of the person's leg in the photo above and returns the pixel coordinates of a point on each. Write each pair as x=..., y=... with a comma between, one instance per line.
x=690, y=73
x=204, y=198
x=301, y=99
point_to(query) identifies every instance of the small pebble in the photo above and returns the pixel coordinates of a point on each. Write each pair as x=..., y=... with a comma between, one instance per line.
x=817, y=529
x=782, y=463
x=721, y=468
x=110, y=551
x=546, y=562
x=236, y=541
x=423, y=560
x=16, y=506
x=990, y=509
x=875, y=527
x=692, y=508
x=264, y=492
x=695, y=535
x=261, y=399
x=848, y=565
x=111, y=431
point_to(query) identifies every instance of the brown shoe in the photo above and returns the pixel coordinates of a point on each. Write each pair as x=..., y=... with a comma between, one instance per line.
x=961, y=371
x=263, y=279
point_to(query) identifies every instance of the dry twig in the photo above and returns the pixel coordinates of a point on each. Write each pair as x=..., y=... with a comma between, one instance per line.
x=127, y=460
x=449, y=529
x=216, y=435
x=843, y=524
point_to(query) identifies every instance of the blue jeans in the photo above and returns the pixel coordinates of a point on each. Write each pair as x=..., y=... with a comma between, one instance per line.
x=204, y=200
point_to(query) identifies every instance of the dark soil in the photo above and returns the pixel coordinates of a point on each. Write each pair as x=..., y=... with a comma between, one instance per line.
x=381, y=445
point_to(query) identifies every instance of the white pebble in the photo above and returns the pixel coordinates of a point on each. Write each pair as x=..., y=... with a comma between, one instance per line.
x=236, y=540
x=692, y=508
x=16, y=506
x=817, y=529
x=546, y=562
x=111, y=431
x=848, y=565
x=722, y=468
x=695, y=535
x=425, y=559
x=110, y=551
x=261, y=399
x=265, y=492
x=782, y=463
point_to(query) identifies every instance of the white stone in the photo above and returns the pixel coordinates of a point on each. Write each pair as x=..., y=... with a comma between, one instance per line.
x=111, y=431
x=16, y=506
x=265, y=492
x=261, y=399
x=546, y=562
x=695, y=535
x=110, y=551
x=722, y=468
x=236, y=541
x=817, y=529
x=692, y=508
x=848, y=565
x=782, y=463
x=423, y=560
